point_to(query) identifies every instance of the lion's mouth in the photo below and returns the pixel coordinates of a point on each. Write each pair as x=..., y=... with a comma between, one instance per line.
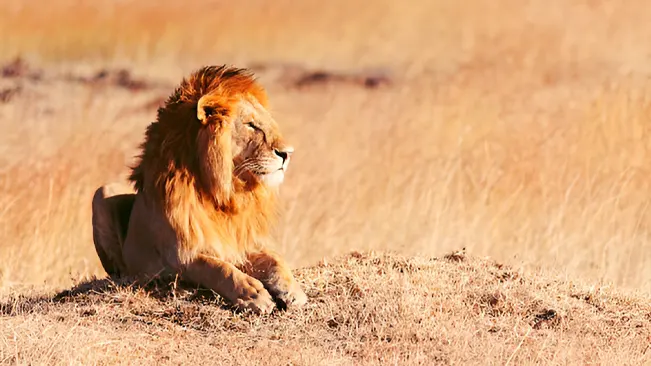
x=269, y=174
x=263, y=172
x=273, y=178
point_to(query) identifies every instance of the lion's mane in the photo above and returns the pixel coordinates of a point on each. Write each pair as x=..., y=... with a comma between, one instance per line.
x=191, y=179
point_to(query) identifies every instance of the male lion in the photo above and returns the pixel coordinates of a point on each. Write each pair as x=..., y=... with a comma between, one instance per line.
x=205, y=192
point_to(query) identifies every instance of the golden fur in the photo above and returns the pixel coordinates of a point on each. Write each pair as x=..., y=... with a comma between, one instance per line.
x=205, y=195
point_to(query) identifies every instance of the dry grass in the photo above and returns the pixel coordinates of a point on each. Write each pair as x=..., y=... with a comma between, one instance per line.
x=518, y=129
x=365, y=309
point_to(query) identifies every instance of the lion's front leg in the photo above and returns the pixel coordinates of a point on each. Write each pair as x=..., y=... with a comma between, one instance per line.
x=238, y=288
x=275, y=274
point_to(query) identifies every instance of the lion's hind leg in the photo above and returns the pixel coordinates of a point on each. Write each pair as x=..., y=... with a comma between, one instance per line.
x=111, y=210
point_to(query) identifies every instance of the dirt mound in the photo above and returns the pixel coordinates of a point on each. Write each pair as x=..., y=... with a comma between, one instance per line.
x=364, y=309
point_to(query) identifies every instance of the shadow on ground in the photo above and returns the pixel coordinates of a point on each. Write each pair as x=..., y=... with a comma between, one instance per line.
x=139, y=299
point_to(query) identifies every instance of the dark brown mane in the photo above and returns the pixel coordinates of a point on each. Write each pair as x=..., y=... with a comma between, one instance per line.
x=176, y=126
x=224, y=80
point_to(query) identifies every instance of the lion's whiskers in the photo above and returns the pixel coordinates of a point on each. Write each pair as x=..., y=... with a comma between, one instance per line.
x=253, y=164
x=244, y=165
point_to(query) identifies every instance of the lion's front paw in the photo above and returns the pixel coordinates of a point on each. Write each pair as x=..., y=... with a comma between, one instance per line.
x=255, y=297
x=294, y=297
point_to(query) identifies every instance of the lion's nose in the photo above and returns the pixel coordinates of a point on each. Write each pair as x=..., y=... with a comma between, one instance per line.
x=284, y=153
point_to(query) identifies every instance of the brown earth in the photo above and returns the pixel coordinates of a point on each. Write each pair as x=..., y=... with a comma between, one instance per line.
x=365, y=309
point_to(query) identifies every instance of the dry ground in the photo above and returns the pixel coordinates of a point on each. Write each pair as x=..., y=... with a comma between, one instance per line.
x=517, y=129
x=365, y=309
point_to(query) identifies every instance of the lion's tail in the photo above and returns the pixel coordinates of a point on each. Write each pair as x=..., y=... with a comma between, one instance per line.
x=112, y=205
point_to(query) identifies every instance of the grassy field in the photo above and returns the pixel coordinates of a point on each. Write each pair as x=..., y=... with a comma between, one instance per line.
x=517, y=129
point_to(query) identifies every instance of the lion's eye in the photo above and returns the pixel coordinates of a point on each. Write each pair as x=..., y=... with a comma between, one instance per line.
x=257, y=129
x=252, y=126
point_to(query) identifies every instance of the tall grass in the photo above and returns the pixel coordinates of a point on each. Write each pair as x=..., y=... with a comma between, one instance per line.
x=508, y=130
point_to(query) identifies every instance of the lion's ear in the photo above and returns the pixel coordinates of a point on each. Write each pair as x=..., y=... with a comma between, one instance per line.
x=205, y=109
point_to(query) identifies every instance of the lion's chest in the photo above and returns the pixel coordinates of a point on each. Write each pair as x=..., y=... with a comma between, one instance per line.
x=228, y=237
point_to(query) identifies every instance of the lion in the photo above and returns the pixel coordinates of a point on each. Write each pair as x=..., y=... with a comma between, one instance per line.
x=204, y=195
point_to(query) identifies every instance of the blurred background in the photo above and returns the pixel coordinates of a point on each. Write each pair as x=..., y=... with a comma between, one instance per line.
x=518, y=129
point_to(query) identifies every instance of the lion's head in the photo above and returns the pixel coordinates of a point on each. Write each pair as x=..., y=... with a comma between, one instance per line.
x=214, y=135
